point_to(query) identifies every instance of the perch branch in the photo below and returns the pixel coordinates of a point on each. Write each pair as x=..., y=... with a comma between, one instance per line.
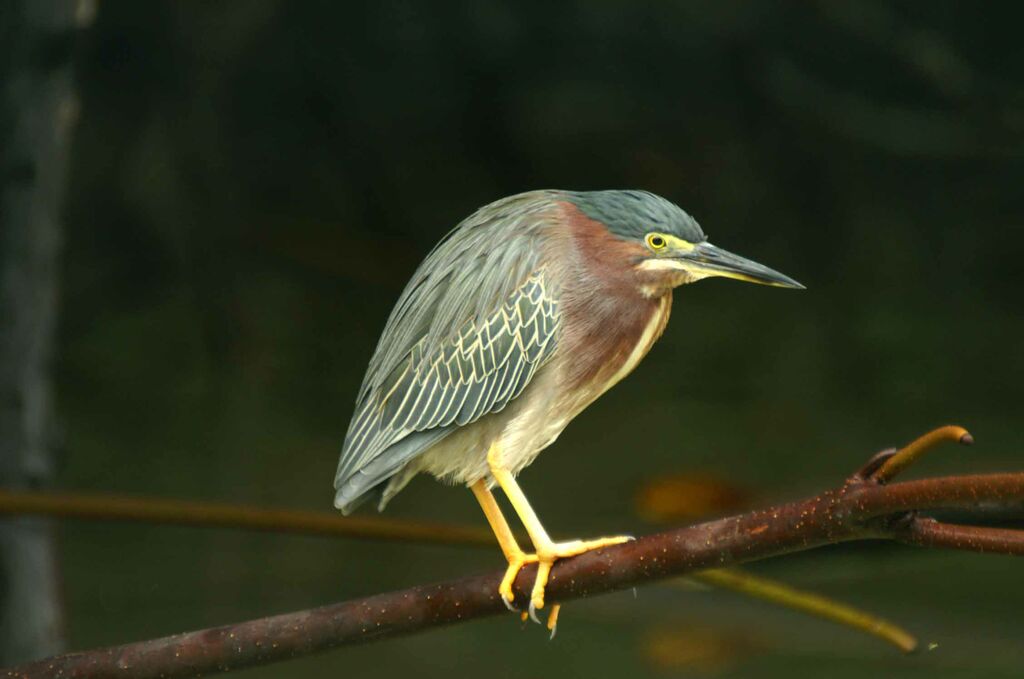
x=219, y=515
x=862, y=508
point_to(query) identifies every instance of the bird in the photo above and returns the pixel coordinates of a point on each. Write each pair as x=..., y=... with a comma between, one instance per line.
x=524, y=314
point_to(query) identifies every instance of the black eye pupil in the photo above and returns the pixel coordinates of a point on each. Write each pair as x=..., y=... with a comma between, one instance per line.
x=657, y=241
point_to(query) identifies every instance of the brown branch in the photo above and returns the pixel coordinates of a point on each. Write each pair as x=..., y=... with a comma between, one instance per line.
x=931, y=533
x=863, y=508
x=105, y=507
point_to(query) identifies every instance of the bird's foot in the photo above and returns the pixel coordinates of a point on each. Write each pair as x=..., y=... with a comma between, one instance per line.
x=546, y=557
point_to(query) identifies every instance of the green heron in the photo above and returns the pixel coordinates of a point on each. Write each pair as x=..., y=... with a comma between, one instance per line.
x=524, y=314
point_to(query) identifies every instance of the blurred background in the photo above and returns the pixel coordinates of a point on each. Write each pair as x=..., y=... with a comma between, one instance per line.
x=251, y=184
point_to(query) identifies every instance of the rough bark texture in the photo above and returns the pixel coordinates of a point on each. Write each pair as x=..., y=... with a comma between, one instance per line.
x=37, y=109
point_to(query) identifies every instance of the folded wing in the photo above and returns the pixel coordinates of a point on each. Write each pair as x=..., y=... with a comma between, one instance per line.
x=469, y=333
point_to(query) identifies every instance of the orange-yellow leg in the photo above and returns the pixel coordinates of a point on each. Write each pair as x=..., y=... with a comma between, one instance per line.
x=515, y=556
x=547, y=550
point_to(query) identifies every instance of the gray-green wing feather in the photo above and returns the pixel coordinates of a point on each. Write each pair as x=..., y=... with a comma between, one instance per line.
x=471, y=329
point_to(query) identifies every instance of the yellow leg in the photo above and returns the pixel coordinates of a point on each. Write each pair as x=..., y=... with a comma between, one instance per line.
x=515, y=556
x=548, y=551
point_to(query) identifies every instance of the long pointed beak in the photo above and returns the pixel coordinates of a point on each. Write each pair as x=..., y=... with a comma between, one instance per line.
x=707, y=260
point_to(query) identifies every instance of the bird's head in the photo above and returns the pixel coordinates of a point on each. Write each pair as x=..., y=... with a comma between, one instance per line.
x=666, y=246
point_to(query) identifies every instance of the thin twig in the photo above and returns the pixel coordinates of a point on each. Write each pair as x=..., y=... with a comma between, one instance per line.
x=807, y=602
x=932, y=533
x=910, y=453
x=191, y=513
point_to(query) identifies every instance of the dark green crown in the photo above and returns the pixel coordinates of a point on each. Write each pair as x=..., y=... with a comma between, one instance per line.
x=633, y=214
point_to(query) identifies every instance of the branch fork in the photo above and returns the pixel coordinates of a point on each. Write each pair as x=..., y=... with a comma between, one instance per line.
x=869, y=505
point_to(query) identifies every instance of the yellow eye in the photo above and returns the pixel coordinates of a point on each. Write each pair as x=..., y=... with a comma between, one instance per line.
x=656, y=241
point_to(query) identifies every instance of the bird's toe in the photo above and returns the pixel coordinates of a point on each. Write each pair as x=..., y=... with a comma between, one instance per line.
x=539, y=585
x=515, y=564
x=553, y=619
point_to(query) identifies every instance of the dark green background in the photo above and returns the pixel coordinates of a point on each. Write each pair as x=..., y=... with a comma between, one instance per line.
x=253, y=182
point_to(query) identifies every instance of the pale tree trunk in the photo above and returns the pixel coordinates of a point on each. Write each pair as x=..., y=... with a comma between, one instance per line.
x=37, y=110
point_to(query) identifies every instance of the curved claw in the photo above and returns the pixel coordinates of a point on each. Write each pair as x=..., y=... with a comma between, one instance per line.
x=533, y=612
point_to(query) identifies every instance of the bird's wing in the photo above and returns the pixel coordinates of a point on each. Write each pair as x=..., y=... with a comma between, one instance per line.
x=471, y=329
